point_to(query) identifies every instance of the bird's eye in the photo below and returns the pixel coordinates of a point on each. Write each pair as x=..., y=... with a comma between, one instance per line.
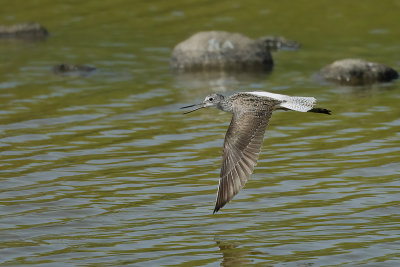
x=210, y=99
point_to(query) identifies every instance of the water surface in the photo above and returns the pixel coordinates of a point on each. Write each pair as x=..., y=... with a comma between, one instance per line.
x=104, y=170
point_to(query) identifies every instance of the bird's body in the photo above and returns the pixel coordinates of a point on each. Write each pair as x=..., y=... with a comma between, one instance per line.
x=243, y=140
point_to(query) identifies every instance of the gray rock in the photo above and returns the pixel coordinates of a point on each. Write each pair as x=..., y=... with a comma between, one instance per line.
x=357, y=72
x=279, y=42
x=221, y=51
x=66, y=68
x=23, y=30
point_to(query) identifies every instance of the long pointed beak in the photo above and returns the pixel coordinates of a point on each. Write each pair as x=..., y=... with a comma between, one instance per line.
x=200, y=106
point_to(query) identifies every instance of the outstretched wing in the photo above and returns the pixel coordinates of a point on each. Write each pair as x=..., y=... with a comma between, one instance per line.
x=242, y=146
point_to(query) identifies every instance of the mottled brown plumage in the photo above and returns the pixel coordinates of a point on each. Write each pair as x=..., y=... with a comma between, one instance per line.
x=243, y=140
x=241, y=149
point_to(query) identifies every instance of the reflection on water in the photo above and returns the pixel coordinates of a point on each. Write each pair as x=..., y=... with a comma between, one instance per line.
x=203, y=82
x=105, y=170
x=232, y=254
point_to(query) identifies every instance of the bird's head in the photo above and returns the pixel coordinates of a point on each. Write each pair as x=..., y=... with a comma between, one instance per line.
x=213, y=100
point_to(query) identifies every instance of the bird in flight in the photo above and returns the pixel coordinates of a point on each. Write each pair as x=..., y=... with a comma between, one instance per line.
x=251, y=113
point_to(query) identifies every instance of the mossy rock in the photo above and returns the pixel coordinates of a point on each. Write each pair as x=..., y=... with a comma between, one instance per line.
x=357, y=72
x=222, y=51
x=67, y=69
x=23, y=30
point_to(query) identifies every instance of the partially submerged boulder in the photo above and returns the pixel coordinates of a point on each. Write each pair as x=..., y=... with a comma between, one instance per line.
x=357, y=72
x=24, y=30
x=222, y=51
x=279, y=42
x=71, y=69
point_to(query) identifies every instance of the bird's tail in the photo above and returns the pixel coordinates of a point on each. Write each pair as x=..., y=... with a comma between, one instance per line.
x=298, y=103
x=303, y=104
x=320, y=110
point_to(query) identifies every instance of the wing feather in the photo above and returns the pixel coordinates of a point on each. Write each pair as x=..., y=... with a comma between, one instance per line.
x=242, y=146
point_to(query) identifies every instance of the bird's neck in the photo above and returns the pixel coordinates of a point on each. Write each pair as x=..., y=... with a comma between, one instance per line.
x=226, y=106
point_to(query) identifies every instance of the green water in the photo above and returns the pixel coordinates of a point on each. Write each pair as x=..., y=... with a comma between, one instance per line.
x=104, y=170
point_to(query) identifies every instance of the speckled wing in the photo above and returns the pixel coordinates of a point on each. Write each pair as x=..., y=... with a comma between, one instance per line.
x=242, y=146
